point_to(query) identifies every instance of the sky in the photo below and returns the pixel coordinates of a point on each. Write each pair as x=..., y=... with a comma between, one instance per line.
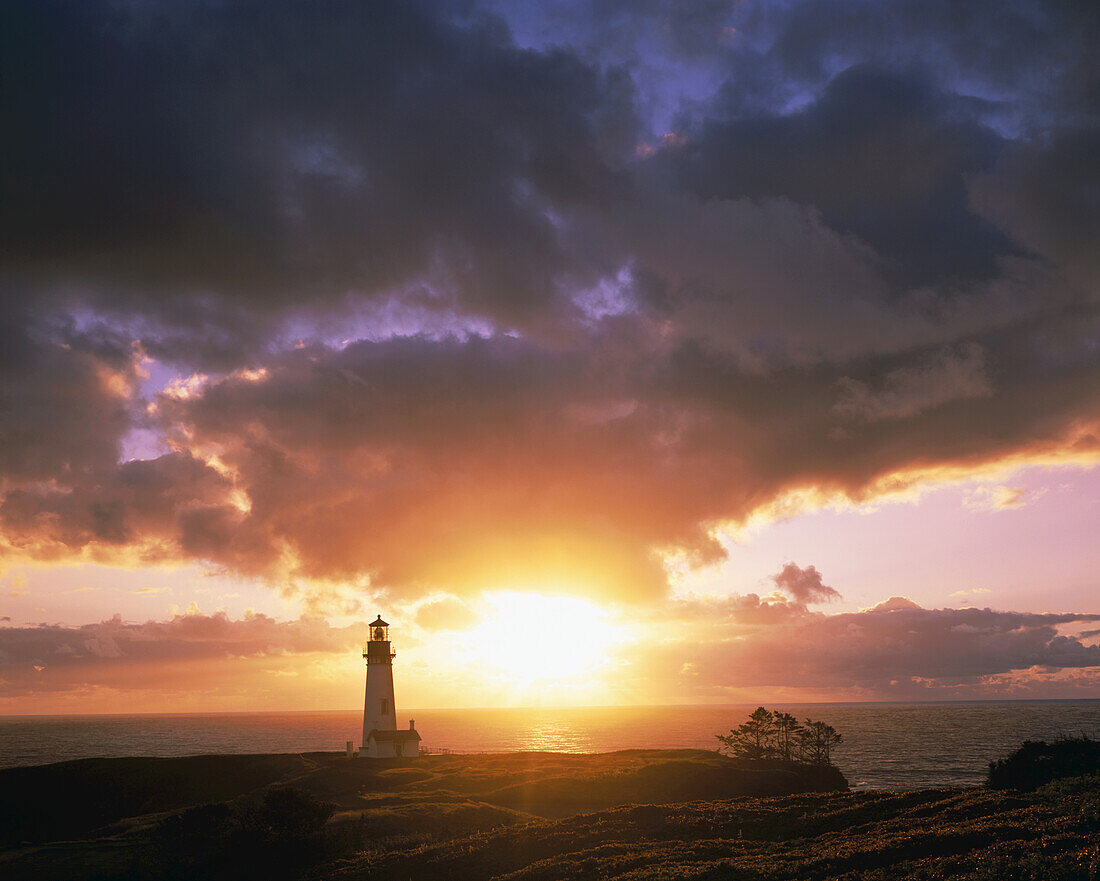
x=615, y=352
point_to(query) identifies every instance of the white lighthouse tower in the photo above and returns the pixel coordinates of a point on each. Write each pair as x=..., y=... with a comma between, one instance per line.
x=381, y=737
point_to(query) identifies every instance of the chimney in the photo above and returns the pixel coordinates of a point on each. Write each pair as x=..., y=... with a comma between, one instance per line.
x=412, y=724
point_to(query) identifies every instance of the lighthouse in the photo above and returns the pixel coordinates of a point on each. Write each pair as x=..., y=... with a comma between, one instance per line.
x=381, y=737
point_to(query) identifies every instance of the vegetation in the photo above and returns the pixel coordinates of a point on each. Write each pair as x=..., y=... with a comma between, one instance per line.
x=277, y=838
x=970, y=835
x=771, y=734
x=70, y=799
x=1038, y=763
x=660, y=814
x=277, y=817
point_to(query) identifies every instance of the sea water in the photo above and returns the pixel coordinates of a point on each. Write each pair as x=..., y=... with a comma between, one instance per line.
x=885, y=746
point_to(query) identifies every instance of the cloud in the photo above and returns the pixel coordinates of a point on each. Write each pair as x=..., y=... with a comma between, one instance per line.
x=420, y=473
x=804, y=585
x=895, y=648
x=894, y=604
x=881, y=154
x=975, y=591
x=907, y=391
x=448, y=613
x=709, y=648
x=16, y=584
x=453, y=331
x=1039, y=192
x=1000, y=498
x=117, y=654
x=282, y=166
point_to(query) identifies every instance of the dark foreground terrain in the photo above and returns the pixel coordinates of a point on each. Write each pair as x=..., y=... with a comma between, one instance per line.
x=636, y=814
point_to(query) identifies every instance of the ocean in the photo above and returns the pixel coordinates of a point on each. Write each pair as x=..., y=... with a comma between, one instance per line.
x=885, y=746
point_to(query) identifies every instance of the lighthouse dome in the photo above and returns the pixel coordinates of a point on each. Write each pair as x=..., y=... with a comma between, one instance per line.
x=379, y=630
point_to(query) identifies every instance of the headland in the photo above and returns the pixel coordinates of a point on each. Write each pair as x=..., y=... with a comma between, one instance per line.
x=631, y=814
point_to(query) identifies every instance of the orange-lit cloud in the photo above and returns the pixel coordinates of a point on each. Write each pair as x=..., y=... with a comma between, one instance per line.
x=187, y=659
x=745, y=647
x=506, y=650
x=462, y=466
x=471, y=337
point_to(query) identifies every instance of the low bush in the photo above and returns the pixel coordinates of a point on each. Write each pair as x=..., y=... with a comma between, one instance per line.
x=1069, y=787
x=1037, y=763
x=278, y=838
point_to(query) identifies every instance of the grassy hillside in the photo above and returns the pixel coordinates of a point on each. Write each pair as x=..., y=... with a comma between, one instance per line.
x=68, y=799
x=972, y=834
x=647, y=814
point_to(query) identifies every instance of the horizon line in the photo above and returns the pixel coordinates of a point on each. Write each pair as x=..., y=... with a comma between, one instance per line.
x=357, y=711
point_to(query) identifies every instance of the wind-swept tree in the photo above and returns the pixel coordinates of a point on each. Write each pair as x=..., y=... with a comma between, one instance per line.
x=787, y=733
x=752, y=739
x=771, y=734
x=817, y=741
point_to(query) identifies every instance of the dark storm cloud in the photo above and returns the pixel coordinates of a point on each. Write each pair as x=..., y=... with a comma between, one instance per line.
x=210, y=164
x=1045, y=194
x=211, y=167
x=62, y=410
x=863, y=256
x=1030, y=55
x=881, y=155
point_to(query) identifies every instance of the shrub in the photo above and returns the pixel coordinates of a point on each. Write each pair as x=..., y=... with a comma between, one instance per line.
x=193, y=843
x=278, y=839
x=1069, y=787
x=1037, y=763
x=289, y=814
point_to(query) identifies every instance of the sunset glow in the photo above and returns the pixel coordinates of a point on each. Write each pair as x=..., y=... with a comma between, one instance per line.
x=613, y=353
x=539, y=640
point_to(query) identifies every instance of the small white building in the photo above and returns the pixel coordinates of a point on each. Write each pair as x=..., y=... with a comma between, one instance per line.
x=381, y=736
x=393, y=744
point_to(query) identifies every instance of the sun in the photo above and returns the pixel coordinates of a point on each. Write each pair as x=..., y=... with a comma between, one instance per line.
x=537, y=639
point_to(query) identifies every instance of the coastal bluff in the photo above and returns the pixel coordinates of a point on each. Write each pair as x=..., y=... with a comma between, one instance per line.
x=79, y=798
x=639, y=814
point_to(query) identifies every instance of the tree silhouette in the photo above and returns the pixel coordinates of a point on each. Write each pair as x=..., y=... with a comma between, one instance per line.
x=752, y=739
x=817, y=741
x=774, y=735
x=787, y=734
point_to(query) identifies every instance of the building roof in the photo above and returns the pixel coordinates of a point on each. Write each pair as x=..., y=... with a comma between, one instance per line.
x=378, y=622
x=385, y=734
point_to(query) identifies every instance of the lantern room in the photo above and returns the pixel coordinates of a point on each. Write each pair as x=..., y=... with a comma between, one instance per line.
x=378, y=650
